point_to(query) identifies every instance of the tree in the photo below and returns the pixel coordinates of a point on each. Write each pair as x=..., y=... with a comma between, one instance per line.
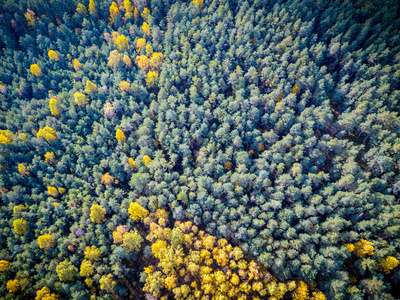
x=54, y=108
x=6, y=137
x=4, y=264
x=128, y=9
x=13, y=286
x=53, y=55
x=90, y=87
x=49, y=158
x=80, y=99
x=46, y=241
x=389, y=263
x=142, y=62
x=146, y=28
x=81, y=9
x=35, y=70
x=122, y=43
x=140, y=43
x=127, y=62
x=114, y=59
x=114, y=11
x=52, y=191
x=20, y=226
x=92, y=8
x=47, y=133
x=132, y=163
x=109, y=111
x=97, y=214
x=66, y=271
x=92, y=253
x=77, y=65
x=87, y=269
x=156, y=61
x=107, y=179
x=131, y=241
x=199, y=4
x=107, y=283
x=137, y=212
x=124, y=86
x=24, y=171
x=30, y=17
x=45, y=294
x=363, y=248
x=151, y=79
x=146, y=160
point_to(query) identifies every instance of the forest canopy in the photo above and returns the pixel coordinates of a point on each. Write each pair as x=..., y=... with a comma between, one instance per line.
x=162, y=149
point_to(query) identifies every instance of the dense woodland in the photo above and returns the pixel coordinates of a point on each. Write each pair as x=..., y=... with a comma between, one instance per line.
x=161, y=149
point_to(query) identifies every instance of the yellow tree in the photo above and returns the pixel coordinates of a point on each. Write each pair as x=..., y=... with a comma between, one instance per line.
x=128, y=9
x=45, y=294
x=77, y=64
x=124, y=86
x=122, y=42
x=19, y=208
x=35, y=70
x=80, y=99
x=146, y=160
x=97, y=214
x=52, y=191
x=120, y=136
x=107, y=179
x=132, y=163
x=49, y=158
x=53, y=55
x=115, y=35
x=140, y=43
x=13, y=286
x=81, y=9
x=136, y=14
x=389, y=263
x=137, y=212
x=92, y=8
x=127, y=62
x=4, y=264
x=199, y=4
x=145, y=13
x=54, y=107
x=6, y=137
x=90, y=87
x=92, y=253
x=142, y=62
x=151, y=79
x=149, y=50
x=46, y=241
x=146, y=28
x=47, y=133
x=363, y=248
x=107, y=283
x=24, y=171
x=20, y=226
x=156, y=60
x=113, y=12
x=66, y=271
x=30, y=17
x=87, y=269
x=131, y=241
x=114, y=59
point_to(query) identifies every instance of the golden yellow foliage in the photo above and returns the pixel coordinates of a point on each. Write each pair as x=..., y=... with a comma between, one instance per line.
x=301, y=292
x=156, y=61
x=46, y=241
x=132, y=163
x=2, y=89
x=54, y=108
x=35, y=70
x=145, y=13
x=66, y=271
x=389, y=263
x=24, y=171
x=124, y=86
x=6, y=137
x=151, y=79
x=92, y=8
x=80, y=99
x=120, y=136
x=19, y=208
x=90, y=87
x=45, y=294
x=117, y=237
x=131, y=241
x=4, y=265
x=115, y=35
x=146, y=160
x=107, y=283
x=318, y=296
x=13, y=286
x=363, y=248
x=140, y=43
x=30, y=17
x=142, y=62
x=128, y=9
x=113, y=12
x=97, y=214
x=81, y=9
x=122, y=43
x=52, y=191
x=20, y=226
x=47, y=133
x=199, y=4
x=86, y=269
x=49, y=158
x=137, y=212
x=92, y=253
x=53, y=55
x=114, y=59
x=61, y=191
x=127, y=62
x=146, y=28
x=77, y=64
x=149, y=50
x=136, y=14
x=107, y=179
